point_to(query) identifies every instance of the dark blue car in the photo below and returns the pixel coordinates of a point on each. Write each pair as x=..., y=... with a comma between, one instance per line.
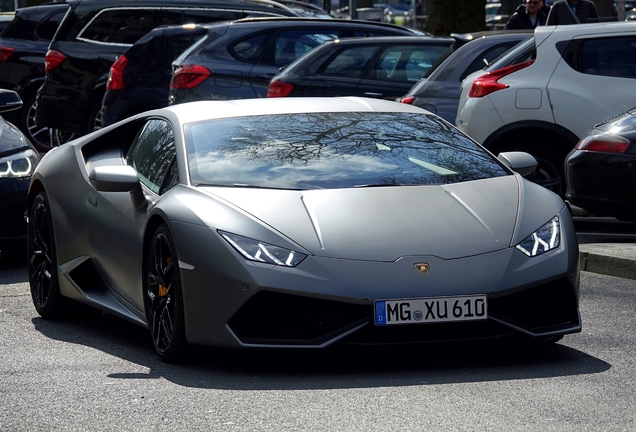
x=237, y=60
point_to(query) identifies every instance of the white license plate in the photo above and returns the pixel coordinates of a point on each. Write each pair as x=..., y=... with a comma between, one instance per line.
x=428, y=310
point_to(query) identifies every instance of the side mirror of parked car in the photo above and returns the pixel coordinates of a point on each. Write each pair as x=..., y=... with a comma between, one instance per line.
x=9, y=100
x=521, y=162
x=121, y=178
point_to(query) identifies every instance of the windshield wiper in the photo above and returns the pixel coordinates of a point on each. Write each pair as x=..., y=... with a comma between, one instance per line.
x=243, y=185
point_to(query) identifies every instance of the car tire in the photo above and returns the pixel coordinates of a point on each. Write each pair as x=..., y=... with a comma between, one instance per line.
x=549, y=172
x=163, y=297
x=94, y=120
x=43, y=138
x=42, y=264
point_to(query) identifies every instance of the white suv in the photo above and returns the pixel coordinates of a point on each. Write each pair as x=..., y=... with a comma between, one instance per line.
x=544, y=94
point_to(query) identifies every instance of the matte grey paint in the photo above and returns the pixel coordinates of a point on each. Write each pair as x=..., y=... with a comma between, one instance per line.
x=466, y=232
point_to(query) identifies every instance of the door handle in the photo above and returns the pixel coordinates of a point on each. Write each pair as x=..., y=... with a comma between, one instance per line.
x=265, y=76
x=373, y=95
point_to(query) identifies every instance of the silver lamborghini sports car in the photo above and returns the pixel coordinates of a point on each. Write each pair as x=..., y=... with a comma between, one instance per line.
x=300, y=222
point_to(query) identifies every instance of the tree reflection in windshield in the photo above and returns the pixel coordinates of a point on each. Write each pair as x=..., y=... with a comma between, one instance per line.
x=334, y=150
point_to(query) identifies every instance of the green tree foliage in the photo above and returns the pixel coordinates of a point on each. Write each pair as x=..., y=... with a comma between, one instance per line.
x=455, y=16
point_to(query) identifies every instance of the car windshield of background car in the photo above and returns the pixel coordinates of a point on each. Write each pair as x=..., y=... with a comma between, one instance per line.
x=334, y=150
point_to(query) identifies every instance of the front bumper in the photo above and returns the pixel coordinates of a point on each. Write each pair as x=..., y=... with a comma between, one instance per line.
x=322, y=301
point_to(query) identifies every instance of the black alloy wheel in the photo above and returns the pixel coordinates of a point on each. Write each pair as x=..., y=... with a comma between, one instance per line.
x=549, y=172
x=43, y=138
x=549, y=176
x=163, y=299
x=42, y=266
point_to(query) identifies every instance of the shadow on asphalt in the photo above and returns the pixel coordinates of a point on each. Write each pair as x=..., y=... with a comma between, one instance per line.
x=335, y=368
x=13, y=272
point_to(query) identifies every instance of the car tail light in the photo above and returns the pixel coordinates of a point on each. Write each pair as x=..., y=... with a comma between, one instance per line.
x=189, y=76
x=407, y=100
x=116, y=74
x=6, y=52
x=53, y=59
x=489, y=83
x=604, y=144
x=279, y=89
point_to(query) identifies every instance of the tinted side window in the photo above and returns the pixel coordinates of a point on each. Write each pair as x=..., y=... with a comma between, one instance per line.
x=407, y=63
x=152, y=154
x=46, y=30
x=350, y=62
x=251, y=48
x=615, y=57
x=197, y=16
x=291, y=44
x=120, y=26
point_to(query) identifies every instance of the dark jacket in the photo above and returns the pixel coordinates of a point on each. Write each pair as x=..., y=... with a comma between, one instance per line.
x=521, y=20
x=559, y=14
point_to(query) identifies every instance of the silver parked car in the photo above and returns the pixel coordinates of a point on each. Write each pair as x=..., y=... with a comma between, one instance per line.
x=300, y=222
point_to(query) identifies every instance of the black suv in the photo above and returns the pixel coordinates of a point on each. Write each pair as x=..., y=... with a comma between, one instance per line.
x=95, y=32
x=23, y=45
x=140, y=78
x=237, y=60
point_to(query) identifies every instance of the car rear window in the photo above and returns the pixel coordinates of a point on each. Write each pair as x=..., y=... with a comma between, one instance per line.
x=334, y=150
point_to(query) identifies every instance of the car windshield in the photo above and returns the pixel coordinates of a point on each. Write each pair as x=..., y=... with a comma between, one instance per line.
x=334, y=150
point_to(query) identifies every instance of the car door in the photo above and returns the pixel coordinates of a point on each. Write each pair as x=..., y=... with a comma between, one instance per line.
x=595, y=80
x=398, y=68
x=287, y=46
x=342, y=73
x=115, y=228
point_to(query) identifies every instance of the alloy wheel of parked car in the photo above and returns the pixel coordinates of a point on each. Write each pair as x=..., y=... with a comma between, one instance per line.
x=163, y=298
x=549, y=177
x=95, y=119
x=43, y=138
x=42, y=265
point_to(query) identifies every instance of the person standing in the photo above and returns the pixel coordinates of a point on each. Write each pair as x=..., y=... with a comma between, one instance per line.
x=527, y=16
x=572, y=12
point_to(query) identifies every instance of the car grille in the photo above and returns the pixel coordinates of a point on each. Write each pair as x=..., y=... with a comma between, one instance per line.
x=284, y=319
x=429, y=332
x=548, y=307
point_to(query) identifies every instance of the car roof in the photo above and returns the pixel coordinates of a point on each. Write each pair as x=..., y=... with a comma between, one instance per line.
x=573, y=30
x=389, y=39
x=86, y=6
x=316, y=21
x=208, y=110
x=467, y=37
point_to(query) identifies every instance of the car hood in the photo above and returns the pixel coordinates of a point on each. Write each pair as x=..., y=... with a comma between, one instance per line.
x=386, y=223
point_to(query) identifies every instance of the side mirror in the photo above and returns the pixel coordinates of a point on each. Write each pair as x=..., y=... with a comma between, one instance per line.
x=122, y=178
x=521, y=162
x=9, y=100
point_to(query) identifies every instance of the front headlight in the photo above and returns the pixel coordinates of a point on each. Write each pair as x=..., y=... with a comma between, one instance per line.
x=255, y=250
x=542, y=240
x=17, y=165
